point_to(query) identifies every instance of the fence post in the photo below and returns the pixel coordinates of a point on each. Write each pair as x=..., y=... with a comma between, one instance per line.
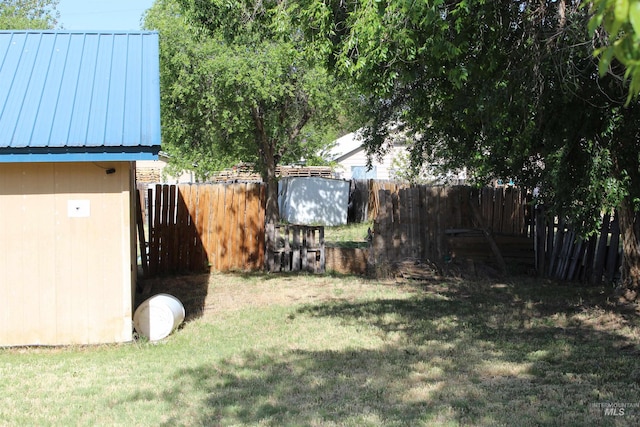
x=153, y=256
x=322, y=253
x=142, y=243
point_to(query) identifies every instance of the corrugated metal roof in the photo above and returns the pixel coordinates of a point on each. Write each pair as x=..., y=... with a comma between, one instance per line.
x=79, y=96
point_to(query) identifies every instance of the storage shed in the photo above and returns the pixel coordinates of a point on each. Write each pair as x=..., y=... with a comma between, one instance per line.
x=77, y=110
x=313, y=200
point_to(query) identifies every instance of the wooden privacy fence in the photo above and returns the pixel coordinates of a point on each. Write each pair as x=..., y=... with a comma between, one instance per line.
x=562, y=254
x=295, y=248
x=364, y=203
x=190, y=227
x=423, y=222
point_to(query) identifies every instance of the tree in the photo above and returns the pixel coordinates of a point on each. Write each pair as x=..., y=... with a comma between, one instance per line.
x=239, y=83
x=28, y=14
x=617, y=27
x=505, y=88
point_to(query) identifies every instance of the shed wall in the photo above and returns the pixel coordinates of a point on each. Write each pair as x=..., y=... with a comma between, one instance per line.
x=66, y=254
x=313, y=200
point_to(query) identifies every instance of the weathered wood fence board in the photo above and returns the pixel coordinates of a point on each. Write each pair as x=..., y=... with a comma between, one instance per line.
x=563, y=255
x=423, y=222
x=373, y=200
x=295, y=248
x=437, y=224
x=191, y=227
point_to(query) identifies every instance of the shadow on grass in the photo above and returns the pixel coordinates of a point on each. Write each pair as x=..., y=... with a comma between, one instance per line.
x=296, y=276
x=458, y=354
x=191, y=290
x=304, y=388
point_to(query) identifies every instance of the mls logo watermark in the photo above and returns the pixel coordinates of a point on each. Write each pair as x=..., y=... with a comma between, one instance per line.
x=615, y=409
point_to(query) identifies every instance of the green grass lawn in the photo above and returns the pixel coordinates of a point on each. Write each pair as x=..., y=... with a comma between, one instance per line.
x=348, y=236
x=283, y=350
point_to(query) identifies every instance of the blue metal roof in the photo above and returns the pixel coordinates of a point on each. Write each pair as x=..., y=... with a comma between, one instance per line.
x=79, y=96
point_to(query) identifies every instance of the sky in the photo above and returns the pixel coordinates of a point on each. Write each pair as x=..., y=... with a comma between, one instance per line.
x=102, y=14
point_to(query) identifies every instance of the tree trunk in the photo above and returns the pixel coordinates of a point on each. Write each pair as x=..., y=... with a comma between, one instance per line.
x=267, y=149
x=272, y=210
x=630, y=270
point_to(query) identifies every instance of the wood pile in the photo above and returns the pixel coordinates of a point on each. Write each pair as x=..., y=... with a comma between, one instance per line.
x=306, y=171
x=245, y=172
x=415, y=269
x=148, y=175
x=295, y=248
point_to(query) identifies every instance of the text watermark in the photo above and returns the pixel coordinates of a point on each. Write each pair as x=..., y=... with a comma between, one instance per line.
x=615, y=409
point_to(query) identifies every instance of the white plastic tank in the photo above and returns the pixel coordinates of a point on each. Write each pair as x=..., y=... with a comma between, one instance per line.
x=158, y=316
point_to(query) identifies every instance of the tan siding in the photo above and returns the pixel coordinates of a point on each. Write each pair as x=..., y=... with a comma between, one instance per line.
x=359, y=158
x=132, y=263
x=67, y=280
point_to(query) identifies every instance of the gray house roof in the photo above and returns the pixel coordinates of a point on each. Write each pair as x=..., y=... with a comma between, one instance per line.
x=79, y=96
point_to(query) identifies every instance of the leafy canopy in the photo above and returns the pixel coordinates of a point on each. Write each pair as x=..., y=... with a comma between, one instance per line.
x=508, y=89
x=28, y=14
x=239, y=84
x=620, y=40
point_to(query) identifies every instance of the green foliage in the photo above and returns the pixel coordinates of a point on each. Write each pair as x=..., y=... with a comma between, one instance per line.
x=239, y=84
x=28, y=14
x=620, y=20
x=406, y=170
x=505, y=88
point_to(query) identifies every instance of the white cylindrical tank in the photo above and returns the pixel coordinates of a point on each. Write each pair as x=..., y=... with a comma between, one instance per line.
x=158, y=316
